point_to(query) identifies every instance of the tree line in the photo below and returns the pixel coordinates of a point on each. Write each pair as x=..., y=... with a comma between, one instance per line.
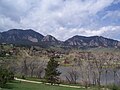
x=91, y=68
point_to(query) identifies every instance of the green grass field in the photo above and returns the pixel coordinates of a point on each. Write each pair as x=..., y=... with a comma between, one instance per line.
x=17, y=85
x=30, y=86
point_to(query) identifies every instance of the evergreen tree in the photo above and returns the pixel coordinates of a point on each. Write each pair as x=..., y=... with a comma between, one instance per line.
x=5, y=76
x=51, y=72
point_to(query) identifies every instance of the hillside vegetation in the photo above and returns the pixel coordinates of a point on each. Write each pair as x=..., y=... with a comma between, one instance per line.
x=88, y=67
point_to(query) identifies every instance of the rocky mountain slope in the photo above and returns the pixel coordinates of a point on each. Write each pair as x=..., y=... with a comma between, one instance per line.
x=50, y=40
x=20, y=36
x=93, y=41
x=30, y=37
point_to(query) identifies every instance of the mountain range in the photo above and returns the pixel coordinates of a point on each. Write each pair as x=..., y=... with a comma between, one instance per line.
x=31, y=37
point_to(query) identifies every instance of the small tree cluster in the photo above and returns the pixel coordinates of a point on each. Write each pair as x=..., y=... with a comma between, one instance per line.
x=31, y=67
x=5, y=76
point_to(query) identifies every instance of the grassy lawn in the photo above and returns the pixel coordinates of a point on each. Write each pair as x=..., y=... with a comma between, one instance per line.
x=30, y=86
x=17, y=85
x=33, y=79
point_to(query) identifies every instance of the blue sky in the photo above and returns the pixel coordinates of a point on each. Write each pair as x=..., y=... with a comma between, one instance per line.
x=62, y=18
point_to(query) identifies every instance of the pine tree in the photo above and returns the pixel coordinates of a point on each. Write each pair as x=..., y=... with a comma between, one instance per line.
x=5, y=76
x=51, y=72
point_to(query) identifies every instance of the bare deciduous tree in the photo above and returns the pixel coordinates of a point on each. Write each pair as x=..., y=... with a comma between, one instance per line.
x=40, y=69
x=24, y=67
x=32, y=67
x=72, y=76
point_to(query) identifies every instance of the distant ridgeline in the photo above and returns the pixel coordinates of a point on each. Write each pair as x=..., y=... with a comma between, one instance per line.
x=31, y=38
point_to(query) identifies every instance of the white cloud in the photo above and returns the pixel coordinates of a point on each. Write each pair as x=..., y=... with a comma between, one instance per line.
x=56, y=17
x=112, y=15
x=69, y=14
x=10, y=23
x=108, y=31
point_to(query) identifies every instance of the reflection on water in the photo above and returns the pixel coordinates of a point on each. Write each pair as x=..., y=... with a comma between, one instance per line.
x=108, y=78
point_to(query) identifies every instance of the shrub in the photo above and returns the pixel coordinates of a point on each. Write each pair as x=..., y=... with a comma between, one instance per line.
x=114, y=87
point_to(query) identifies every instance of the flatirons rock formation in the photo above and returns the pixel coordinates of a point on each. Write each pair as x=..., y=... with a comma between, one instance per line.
x=94, y=41
x=50, y=40
x=30, y=37
x=18, y=36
